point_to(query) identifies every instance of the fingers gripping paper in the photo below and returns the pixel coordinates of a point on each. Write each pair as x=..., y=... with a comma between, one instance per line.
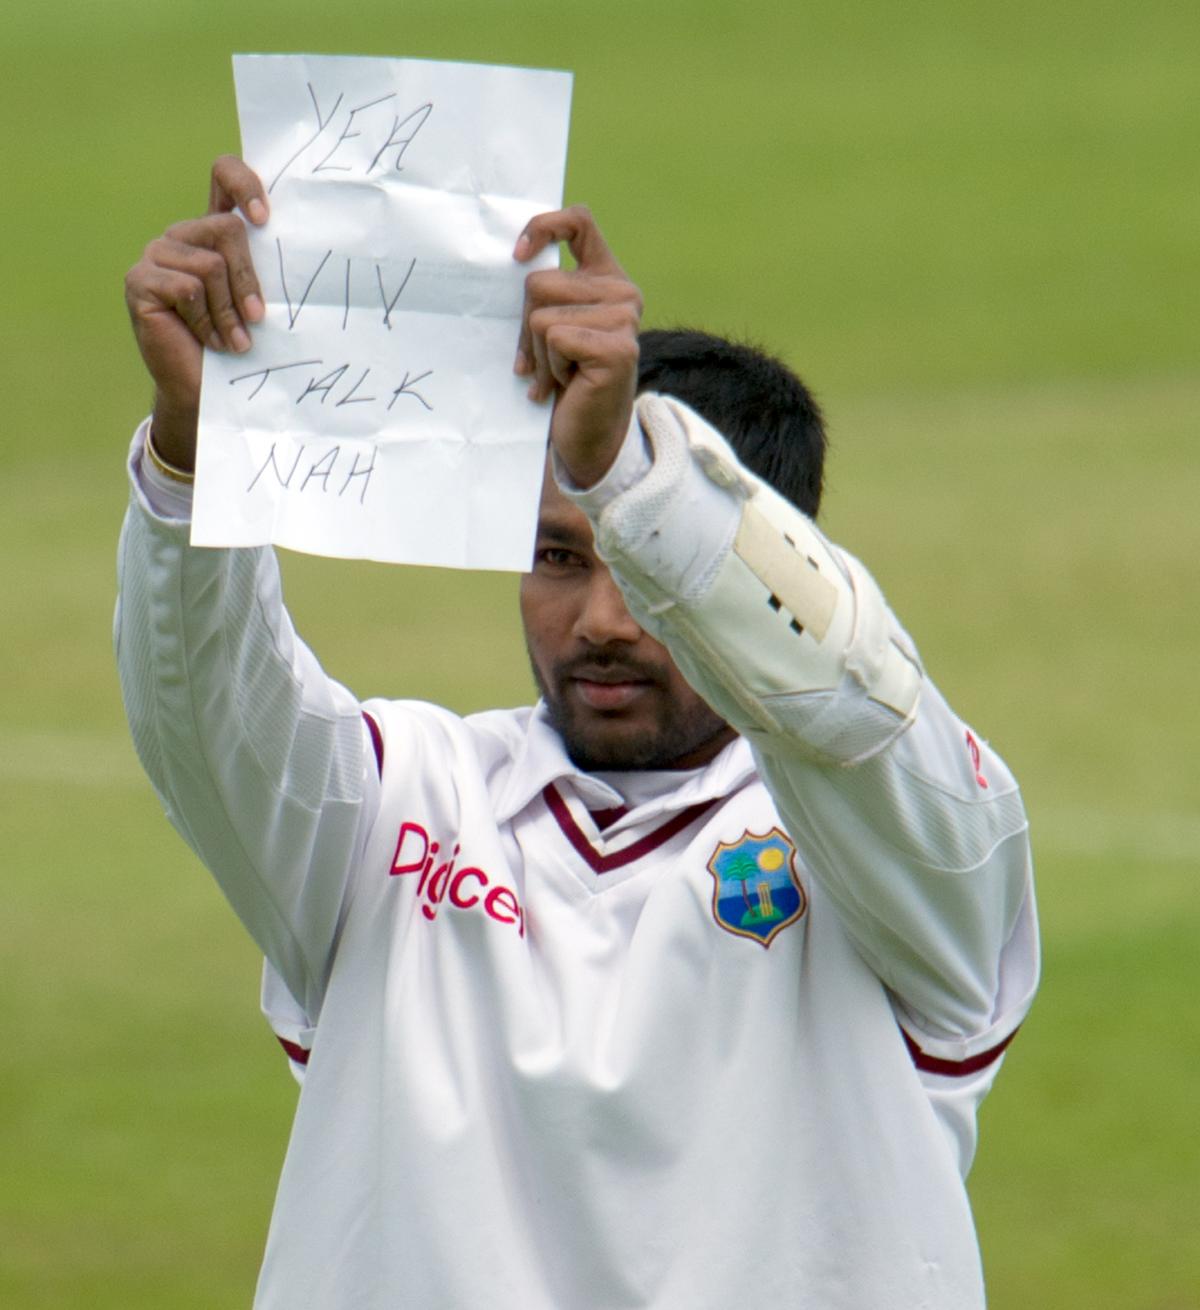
x=377, y=415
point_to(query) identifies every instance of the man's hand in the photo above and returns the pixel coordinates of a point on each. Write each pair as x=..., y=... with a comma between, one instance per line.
x=578, y=342
x=195, y=286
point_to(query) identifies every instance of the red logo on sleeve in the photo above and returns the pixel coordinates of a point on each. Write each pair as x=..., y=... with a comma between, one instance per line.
x=973, y=747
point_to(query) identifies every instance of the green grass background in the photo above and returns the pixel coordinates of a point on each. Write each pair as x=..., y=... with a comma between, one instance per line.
x=974, y=228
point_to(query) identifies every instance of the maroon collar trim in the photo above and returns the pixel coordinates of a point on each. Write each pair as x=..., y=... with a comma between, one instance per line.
x=606, y=818
x=599, y=863
x=296, y=1053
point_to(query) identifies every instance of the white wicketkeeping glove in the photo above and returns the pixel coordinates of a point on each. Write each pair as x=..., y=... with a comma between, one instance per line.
x=782, y=632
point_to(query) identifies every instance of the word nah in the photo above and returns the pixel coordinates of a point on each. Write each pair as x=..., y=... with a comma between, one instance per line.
x=319, y=470
x=468, y=888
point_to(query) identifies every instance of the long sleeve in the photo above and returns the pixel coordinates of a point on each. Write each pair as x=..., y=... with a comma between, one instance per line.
x=912, y=824
x=261, y=761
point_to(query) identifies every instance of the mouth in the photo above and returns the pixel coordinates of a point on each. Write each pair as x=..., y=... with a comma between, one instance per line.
x=609, y=689
x=609, y=695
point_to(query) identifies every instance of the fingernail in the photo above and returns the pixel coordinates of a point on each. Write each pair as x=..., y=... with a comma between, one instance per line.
x=521, y=363
x=241, y=342
x=254, y=308
x=215, y=342
x=256, y=211
x=522, y=247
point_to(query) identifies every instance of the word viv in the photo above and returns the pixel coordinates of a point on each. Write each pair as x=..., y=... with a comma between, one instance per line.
x=440, y=882
x=296, y=299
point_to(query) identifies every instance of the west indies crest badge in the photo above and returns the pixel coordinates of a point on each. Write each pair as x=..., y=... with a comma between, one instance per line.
x=756, y=892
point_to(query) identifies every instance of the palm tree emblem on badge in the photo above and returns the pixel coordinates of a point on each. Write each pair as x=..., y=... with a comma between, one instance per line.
x=756, y=892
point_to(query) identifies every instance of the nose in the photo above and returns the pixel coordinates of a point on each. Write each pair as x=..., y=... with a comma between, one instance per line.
x=604, y=616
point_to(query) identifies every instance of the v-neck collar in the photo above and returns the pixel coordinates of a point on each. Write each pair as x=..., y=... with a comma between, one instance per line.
x=602, y=861
x=540, y=759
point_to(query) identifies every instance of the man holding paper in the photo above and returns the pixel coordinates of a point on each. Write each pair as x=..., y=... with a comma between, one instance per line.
x=679, y=990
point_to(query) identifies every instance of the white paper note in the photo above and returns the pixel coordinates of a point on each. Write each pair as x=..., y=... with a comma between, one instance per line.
x=377, y=415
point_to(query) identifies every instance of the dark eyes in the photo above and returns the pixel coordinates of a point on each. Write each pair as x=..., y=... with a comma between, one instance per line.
x=558, y=559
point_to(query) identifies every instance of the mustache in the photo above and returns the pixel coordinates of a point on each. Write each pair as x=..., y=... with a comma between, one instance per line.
x=602, y=664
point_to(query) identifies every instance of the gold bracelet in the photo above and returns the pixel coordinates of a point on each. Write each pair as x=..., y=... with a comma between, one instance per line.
x=167, y=470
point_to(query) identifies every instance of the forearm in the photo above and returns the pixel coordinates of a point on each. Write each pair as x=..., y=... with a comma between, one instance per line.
x=258, y=757
x=790, y=640
x=931, y=872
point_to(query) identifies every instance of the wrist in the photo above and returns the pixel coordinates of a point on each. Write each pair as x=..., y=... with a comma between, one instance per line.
x=176, y=476
x=173, y=432
x=586, y=472
x=587, y=462
x=633, y=461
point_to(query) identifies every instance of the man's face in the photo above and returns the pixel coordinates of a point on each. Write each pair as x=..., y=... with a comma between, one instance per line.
x=613, y=693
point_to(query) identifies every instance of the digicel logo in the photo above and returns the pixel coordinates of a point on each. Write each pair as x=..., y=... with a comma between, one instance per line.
x=468, y=888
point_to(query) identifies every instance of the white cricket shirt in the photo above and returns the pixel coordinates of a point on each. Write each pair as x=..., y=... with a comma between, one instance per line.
x=710, y=1057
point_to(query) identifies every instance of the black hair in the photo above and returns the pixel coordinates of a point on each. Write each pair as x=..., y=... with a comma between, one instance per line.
x=756, y=402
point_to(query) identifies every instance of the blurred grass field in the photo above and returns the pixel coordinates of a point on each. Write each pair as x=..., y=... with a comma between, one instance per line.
x=976, y=231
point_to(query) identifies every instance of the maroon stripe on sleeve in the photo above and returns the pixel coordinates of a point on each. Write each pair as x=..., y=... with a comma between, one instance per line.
x=376, y=741
x=294, y=1052
x=955, y=1068
x=618, y=859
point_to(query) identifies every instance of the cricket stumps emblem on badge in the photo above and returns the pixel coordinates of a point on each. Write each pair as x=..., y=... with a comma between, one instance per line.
x=756, y=892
